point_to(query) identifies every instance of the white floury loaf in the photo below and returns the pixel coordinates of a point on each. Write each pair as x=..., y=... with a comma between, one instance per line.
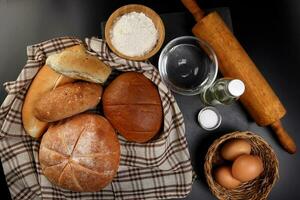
x=77, y=64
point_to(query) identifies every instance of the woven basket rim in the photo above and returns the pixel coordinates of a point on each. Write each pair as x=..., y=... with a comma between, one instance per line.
x=214, y=148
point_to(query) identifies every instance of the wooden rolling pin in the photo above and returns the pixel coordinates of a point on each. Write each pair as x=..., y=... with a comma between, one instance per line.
x=259, y=98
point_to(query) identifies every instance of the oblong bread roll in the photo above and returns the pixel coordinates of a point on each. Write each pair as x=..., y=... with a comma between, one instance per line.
x=45, y=80
x=79, y=65
x=67, y=100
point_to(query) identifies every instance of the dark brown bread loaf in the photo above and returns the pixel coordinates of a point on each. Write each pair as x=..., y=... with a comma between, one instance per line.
x=132, y=104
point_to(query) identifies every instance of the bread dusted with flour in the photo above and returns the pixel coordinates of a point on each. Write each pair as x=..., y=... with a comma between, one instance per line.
x=81, y=153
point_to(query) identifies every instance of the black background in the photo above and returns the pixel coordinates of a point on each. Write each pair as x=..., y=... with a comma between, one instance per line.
x=269, y=31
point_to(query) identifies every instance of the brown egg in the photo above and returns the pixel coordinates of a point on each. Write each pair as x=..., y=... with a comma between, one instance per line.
x=234, y=148
x=247, y=167
x=224, y=177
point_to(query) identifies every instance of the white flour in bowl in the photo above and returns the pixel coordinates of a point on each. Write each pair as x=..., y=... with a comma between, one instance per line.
x=134, y=34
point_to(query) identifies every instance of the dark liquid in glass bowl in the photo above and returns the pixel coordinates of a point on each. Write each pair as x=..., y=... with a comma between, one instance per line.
x=187, y=66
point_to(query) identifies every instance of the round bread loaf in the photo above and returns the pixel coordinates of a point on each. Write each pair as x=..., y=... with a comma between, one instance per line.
x=133, y=106
x=67, y=100
x=80, y=153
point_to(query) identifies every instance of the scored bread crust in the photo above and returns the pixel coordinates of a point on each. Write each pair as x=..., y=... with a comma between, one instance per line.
x=133, y=106
x=81, y=153
x=67, y=100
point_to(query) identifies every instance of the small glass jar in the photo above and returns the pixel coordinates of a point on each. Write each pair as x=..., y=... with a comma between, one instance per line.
x=223, y=91
x=209, y=118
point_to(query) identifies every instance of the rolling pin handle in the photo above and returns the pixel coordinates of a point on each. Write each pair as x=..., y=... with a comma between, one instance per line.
x=285, y=140
x=193, y=7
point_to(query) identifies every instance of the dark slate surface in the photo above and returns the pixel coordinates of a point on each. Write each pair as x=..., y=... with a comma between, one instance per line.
x=268, y=32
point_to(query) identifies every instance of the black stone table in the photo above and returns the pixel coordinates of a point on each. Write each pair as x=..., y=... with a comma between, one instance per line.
x=269, y=33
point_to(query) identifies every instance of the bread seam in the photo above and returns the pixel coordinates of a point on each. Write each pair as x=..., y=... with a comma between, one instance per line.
x=141, y=131
x=46, y=167
x=66, y=156
x=56, y=82
x=123, y=130
x=75, y=179
x=85, y=168
x=81, y=75
x=71, y=155
x=62, y=171
x=65, y=144
x=91, y=155
x=134, y=104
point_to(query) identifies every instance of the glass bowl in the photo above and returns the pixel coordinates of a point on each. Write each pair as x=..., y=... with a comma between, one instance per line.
x=187, y=65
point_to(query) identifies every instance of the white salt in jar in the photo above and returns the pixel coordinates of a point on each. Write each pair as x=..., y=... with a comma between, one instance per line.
x=209, y=118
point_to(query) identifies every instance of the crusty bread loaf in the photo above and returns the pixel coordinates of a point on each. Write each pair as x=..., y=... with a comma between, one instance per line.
x=79, y=65
x=79, y=49
x=133, y=106
x=80, y=153
x=67, y=100
x=45, y=80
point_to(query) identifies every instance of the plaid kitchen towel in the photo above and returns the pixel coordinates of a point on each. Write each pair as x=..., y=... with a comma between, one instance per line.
x=160, y=169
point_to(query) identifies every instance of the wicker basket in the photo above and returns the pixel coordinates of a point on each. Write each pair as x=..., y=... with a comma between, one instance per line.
x=258, y=188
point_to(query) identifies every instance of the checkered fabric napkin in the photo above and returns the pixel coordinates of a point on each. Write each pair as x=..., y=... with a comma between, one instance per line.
x=160, y=169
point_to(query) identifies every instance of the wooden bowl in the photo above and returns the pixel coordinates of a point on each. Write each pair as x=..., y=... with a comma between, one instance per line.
x=257, y=189
x=149, y=13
